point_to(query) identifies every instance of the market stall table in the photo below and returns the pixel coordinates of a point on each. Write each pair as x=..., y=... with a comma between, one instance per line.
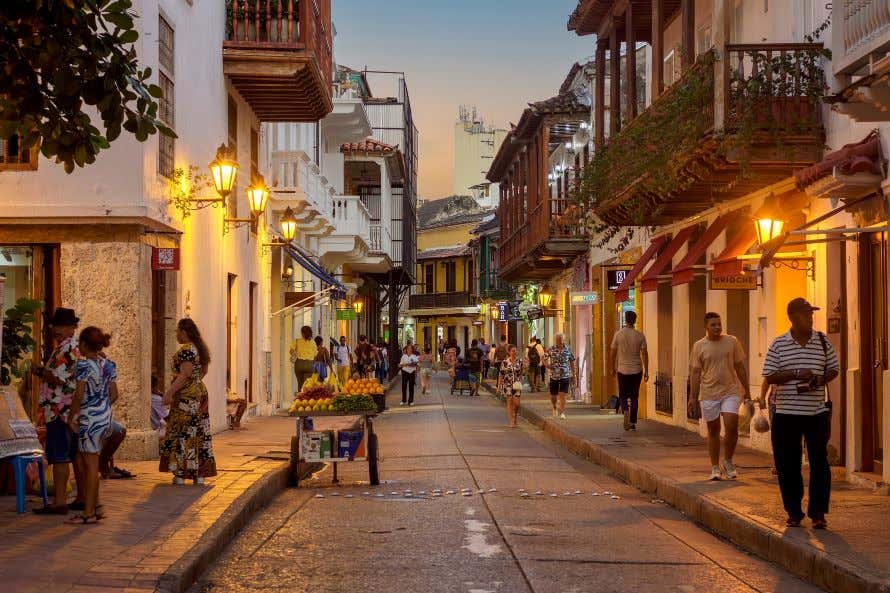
x=296, y=454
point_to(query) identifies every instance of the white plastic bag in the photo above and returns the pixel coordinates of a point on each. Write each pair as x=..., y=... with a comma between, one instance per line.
x=746, y=414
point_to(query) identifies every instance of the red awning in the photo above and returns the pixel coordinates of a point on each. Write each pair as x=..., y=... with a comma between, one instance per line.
x=684, y=272
x=727, y=262
x=650, y=279
x=623, y=290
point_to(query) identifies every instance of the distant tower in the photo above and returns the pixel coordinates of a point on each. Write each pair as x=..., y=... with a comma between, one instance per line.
x=475, y=145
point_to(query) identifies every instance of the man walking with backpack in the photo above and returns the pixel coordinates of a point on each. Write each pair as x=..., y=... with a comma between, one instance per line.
x=800, y=363
x=535, y=355
x=630, y=362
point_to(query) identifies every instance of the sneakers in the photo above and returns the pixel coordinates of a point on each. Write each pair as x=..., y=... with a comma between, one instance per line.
x=730, y=470
x=715, y=473
x=633, y=426
x=177, y=481
x=553, y=413
x=563, y=415
x=199, y=481
x=402, y=403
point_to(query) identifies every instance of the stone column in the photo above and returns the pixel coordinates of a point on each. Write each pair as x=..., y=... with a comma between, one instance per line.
x=109, y=284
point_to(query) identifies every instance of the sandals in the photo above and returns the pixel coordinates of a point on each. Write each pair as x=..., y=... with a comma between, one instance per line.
x=83, y=520
x=793, y=521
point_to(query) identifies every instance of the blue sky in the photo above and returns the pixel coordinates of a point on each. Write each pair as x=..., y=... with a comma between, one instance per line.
x=495, y=54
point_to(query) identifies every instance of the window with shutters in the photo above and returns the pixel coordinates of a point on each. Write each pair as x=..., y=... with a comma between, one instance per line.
x=15, y=157
x=429, y=285
x=167, y=103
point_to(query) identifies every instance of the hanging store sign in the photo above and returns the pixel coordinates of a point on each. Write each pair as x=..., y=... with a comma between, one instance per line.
x=348, y=314
x=509, y=311
x=614, y=278
x=732, y=281
x=305, y=299
x=581, y=298
x=165, y=258
x=535, y=313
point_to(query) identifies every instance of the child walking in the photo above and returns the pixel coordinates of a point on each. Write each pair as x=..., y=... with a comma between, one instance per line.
x=91, y=413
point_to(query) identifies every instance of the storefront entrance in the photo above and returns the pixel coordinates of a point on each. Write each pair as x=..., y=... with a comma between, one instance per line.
x=873, y=282
x=33, y=271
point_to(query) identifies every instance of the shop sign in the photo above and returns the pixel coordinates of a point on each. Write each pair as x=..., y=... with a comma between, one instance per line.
x=165, y=258
x=614, y=278
x=509, y=311
x=581, y=298
x=535, y=313
x=347, y=314
x=732, y=281
x=306, y=299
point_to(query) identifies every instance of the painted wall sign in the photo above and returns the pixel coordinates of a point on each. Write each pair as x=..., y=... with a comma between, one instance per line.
x=581, y=298
x=348, y=314
x=165, y=258
x=614, y=278
x=732, y=281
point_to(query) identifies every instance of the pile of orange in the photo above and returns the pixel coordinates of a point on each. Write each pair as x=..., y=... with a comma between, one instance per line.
x=362, y=387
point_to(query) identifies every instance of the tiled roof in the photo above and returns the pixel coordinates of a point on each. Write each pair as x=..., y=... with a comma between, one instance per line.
x=570, y=78
x=564, y=102
x=449, y=211
x=859, y=157
x=488, y=223
x=444, y=252
x=369, y=145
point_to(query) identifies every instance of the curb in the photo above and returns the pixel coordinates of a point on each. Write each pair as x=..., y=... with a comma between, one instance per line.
x=183, y=573
x=807, y=562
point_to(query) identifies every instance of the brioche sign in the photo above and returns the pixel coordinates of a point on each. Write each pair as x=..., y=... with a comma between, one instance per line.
x=732, y=281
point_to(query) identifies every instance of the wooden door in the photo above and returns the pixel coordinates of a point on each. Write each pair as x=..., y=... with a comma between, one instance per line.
x=873, y=344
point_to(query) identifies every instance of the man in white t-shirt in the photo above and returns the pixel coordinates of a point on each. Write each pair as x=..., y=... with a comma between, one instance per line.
x=630, y=362
x=718, y=382
x=343, y=357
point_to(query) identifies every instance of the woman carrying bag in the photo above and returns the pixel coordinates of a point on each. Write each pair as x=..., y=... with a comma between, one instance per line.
x=322, y=360
x=510, y=383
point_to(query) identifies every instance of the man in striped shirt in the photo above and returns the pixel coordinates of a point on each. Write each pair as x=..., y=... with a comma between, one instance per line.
x=800, y=363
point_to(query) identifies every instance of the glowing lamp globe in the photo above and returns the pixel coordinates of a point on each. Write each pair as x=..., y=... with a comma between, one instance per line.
x=288, y=225
x=223, y=170
x=544, y=298
x=768, y=229
x=358, y=306
x=257, y=196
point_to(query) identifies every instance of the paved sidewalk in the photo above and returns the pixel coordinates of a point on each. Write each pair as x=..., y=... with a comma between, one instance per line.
x=155, y=535
x=671, y=463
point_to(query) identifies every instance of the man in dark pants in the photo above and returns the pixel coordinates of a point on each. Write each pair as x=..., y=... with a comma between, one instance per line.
x=630, y=362
x=800, y=363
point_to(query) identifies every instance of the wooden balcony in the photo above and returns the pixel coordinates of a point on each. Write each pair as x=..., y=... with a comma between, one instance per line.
x=440, y=300
x=278, y=55
x=675, y=160
x=491, y=286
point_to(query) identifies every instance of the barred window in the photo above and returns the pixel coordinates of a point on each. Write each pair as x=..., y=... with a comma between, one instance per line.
x=167, y=103
x=15, y=157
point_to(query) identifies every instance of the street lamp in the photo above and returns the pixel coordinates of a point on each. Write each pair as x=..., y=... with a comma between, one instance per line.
x=544, y=298
x=495, y=311
x=223, y=170
x=358, y=306
x=257, y=196
x=768, y=229
x=288, y=225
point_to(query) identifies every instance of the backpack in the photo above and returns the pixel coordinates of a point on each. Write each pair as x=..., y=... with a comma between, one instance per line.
x=500, y=354
x=534, y=358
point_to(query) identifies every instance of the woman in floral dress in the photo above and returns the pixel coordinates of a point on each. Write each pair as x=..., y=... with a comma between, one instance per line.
x=510, y=383
x=187, y=450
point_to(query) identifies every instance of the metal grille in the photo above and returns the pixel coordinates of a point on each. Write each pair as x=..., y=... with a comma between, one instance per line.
x=166, y=144
x=664, y=400
x=14, y=156
x=166, y=55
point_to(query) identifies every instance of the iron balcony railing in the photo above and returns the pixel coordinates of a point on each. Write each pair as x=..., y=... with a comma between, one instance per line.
x=437, y=300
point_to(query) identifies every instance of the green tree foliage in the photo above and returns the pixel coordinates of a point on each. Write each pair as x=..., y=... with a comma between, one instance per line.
x=63, y=60
x=17, y=339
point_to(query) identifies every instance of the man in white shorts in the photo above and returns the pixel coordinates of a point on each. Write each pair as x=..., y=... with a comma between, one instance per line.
x=719, y=381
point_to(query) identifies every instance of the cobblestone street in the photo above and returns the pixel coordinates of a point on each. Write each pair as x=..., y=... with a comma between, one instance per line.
x=323, y=537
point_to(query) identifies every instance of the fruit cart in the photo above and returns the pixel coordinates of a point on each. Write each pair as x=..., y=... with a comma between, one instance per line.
x=322, y=446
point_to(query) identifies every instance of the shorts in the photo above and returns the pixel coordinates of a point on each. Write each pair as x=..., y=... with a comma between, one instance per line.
x=559, y=385
x=534, y=369
x=712, y=408
x=61, y=442
x=474, y=377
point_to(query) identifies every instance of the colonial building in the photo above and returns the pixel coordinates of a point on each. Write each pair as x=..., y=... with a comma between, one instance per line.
x=90, y=240
x=443, y=304
x=731, y=133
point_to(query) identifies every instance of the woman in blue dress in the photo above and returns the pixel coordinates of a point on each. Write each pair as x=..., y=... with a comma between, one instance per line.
x=91, y=412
